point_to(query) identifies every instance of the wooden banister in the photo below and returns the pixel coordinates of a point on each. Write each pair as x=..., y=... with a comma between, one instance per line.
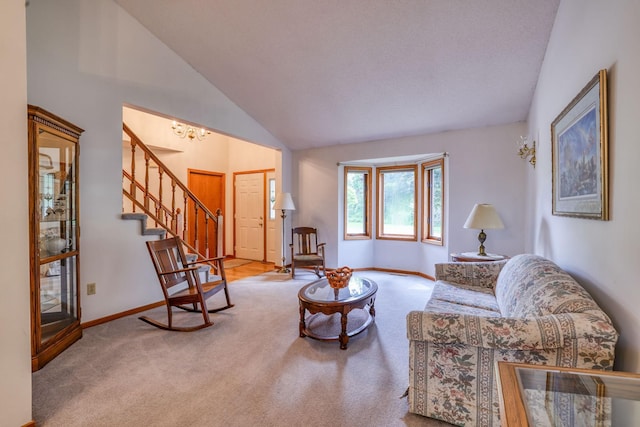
x=149, y=198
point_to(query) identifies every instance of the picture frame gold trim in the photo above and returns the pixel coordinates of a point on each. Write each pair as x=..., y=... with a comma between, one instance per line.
x=579, y=152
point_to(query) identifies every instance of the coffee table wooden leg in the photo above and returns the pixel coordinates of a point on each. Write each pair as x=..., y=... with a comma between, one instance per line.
x=344, y=338
x=302, y=324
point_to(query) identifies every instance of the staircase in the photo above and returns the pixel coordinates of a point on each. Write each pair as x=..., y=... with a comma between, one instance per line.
x=153, y=195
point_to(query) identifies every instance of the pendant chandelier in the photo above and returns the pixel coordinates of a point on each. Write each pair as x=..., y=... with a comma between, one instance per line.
x=189, y=131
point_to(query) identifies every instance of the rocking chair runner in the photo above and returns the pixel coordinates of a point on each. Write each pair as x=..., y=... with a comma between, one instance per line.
x=306, y=251
x=173, y=269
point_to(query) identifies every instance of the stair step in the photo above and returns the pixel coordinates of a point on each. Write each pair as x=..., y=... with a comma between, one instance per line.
x=154, y=232
x=135, y=215
x=142, y=217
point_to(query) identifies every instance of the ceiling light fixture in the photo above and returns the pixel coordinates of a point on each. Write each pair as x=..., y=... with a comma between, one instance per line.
x=189, y=131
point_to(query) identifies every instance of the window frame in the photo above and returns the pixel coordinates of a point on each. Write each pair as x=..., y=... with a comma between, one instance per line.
x=380, y=172
x=427, y=208
x=367, y=171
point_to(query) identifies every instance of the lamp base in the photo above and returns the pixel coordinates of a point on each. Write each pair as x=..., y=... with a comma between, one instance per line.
x=481, y=238
x=284, y=268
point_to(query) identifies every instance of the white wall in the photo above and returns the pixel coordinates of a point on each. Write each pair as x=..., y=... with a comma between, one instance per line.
x=603, y=255
x=86, y=59
x=15, y=330
x=482, y=167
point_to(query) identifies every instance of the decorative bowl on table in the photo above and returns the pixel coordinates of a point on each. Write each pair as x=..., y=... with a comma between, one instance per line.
x=339, y=278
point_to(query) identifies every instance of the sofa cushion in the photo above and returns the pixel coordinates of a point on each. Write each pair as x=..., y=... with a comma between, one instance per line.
x=479, y=274
x=531, y=286
x=472, y=296
x=447, y=307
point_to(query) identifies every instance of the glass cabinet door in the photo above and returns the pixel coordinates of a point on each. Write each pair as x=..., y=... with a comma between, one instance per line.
x=53, y=235
x=57, y=240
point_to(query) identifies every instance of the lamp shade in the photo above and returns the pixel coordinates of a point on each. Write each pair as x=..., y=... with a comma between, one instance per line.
x=483, y=217
x=284, y=202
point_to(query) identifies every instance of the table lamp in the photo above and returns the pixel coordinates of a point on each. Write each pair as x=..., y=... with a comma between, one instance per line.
x=483, y=216
x=284, y=202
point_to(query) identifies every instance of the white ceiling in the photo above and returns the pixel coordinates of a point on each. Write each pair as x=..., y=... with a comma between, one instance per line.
x=325, y=72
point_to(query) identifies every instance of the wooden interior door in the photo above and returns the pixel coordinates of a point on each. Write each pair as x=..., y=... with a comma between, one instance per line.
x=249, y=215
x=208, y=187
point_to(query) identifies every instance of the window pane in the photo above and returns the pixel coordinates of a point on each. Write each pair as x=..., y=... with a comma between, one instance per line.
x=398, y=189
x=356, y=202
x=433, y=202
x=272, y=198
x=435, y=222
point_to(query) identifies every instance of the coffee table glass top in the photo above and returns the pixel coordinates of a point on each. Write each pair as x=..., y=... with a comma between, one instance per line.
x=604, y=398
x=320, y=291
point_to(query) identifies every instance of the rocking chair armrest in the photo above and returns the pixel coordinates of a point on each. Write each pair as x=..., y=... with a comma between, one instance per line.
x=181, y=270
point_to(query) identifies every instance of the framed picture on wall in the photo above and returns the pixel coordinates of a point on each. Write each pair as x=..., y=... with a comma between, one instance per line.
x=580, y=154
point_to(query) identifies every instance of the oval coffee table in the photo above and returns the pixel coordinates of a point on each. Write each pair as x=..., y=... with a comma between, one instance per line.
x=318, y=298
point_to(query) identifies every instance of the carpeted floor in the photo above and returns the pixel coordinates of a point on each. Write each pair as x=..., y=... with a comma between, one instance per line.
x=249, y=369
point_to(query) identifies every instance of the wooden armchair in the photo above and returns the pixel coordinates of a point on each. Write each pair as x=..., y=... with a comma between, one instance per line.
x=181, y=284
x=306, y=251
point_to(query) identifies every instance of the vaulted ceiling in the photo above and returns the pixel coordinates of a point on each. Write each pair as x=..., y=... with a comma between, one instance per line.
x=326, y=72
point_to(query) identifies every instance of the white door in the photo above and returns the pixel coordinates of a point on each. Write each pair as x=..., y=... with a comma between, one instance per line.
x=249, y=189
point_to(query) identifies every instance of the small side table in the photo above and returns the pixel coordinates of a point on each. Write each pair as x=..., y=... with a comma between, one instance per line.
x=474, y=257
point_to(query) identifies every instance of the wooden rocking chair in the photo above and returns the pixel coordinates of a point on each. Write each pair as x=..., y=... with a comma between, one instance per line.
x=306, y=251
x=173, y=269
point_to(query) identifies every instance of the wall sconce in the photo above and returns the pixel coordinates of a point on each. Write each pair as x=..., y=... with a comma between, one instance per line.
x=525, y=152
x=189, y=131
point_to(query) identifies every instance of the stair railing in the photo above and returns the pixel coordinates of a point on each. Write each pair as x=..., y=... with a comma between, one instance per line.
x=173, y=211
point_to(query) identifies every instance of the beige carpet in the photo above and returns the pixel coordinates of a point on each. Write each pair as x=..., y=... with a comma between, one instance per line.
x=250, y=368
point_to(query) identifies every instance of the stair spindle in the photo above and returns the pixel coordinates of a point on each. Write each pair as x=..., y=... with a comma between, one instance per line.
x=132, y=187
x=146, y=181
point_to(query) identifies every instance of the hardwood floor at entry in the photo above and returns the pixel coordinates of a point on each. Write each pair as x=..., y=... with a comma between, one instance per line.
x=254, y=268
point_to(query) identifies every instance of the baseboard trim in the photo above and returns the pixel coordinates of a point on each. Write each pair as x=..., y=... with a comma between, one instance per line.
x=394, y=271
x=115, y=316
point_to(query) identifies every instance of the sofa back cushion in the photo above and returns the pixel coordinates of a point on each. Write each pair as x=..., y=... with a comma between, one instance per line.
x=530, y=285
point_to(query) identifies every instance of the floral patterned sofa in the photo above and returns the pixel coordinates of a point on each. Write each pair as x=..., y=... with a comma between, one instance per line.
x=525, y=309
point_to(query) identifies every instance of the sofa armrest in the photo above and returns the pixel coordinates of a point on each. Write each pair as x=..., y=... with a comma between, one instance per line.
x=482, y=274
x=509, y=333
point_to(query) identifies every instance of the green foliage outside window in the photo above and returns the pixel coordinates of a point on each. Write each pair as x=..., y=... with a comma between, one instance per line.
x=398, y=188
x=356, y=202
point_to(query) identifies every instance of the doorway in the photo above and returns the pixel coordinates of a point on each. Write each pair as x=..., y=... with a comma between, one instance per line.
x=252, y=216
x=208, y=187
